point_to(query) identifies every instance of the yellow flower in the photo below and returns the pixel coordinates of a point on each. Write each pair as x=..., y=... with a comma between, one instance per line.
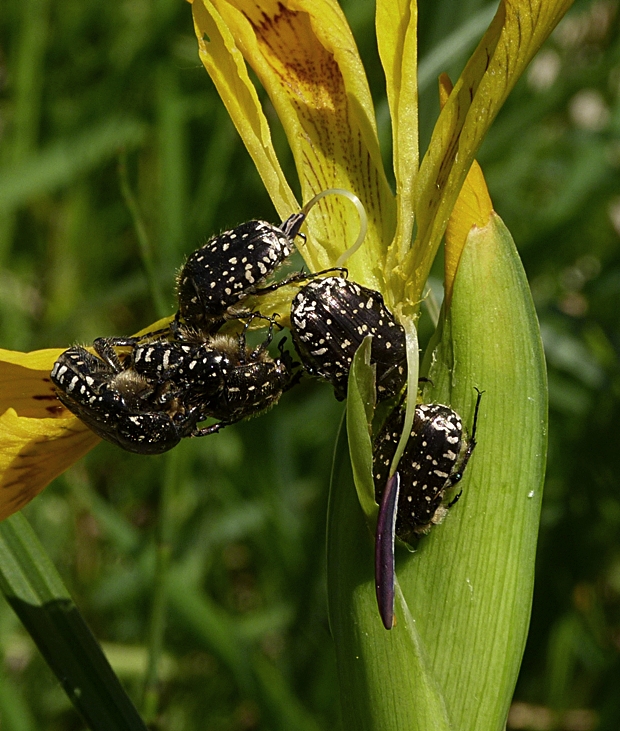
x=304, y=55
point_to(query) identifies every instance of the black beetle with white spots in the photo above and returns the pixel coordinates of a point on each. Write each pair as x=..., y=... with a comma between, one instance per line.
x=330, y=318
x=219, y=276
x=435, y=457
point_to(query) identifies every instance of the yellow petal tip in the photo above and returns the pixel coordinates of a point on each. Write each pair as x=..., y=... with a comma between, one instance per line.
x=473, y=208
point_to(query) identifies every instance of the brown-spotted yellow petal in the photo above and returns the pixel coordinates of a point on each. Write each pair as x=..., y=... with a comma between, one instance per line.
x=304, y=54
x=222, y=59
x=514, y=36
x=473, y=207
x=39, y=438
x=396, y=24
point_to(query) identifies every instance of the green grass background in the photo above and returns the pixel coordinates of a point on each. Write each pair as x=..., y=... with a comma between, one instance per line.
x=246, y=643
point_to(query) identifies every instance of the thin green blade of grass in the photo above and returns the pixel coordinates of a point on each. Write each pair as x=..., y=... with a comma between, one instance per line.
x=172, y=158
x=453, y=657
x=36, y=593
x=65, y=160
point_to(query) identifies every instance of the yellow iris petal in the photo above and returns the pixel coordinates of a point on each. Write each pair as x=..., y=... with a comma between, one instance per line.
x=39, y=438
x=396, y=23
x=515, y=35
x=304, y=54
x=473, y=207
x=222, y=59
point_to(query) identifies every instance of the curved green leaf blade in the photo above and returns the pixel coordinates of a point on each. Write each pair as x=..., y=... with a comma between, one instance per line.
x=453, y=657
x=479, y=567
x=360, y=408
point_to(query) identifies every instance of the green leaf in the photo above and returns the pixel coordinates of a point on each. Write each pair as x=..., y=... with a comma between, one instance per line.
x=413, y=372
x=452, y=659
x=35, y=591
x=360, y=410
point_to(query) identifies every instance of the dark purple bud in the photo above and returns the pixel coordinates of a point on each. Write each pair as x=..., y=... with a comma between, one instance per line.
x=384, y=550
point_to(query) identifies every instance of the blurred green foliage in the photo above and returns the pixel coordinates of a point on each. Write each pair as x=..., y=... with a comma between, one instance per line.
x=246, y=641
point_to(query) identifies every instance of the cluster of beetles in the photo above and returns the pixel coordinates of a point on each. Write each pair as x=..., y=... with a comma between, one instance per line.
x=146, y=393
